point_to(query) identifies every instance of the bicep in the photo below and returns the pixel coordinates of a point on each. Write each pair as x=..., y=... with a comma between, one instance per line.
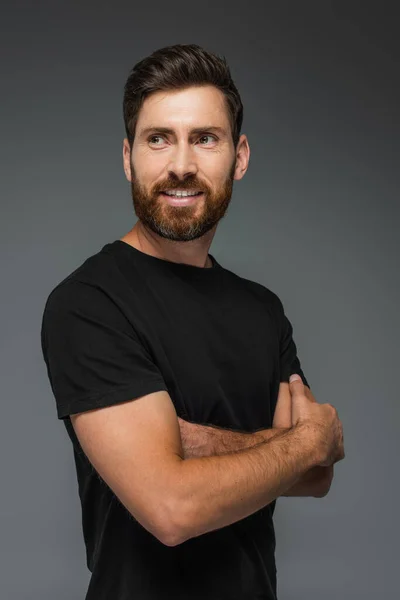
x=135, y=447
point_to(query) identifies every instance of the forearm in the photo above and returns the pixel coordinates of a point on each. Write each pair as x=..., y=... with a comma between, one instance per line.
x=215, y=491
x=205, y=440
x=315, y=482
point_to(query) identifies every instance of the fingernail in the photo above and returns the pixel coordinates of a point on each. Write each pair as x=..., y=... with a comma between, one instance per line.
x=294, y=377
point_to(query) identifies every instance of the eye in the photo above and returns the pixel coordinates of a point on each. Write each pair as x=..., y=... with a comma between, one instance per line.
x=153, y=137
x=158, y=136
x=207, y=136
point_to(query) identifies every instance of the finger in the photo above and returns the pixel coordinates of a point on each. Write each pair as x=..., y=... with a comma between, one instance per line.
x=296, y=385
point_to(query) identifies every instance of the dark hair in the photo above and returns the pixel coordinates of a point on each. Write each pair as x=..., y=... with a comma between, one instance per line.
x=179, y=67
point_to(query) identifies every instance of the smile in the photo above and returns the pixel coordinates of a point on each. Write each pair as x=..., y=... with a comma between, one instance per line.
x=181, y=193
x=181, y=200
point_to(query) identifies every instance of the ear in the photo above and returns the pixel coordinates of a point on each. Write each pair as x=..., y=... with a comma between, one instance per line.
x=242, y=157
x=126, y=157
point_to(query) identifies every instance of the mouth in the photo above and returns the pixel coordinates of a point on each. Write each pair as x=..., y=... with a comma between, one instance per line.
x=181, y=200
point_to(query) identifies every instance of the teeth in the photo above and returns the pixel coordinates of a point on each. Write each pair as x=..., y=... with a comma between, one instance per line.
x=181, y=194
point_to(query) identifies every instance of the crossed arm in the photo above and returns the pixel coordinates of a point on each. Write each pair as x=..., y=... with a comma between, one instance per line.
x=207, y=440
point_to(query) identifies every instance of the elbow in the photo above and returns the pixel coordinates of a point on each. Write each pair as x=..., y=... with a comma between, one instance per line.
x=324, y=486
x=174, y=528
x=321, y=494
x=167, y=532
x=160, y=521
x=173, y=534
x=170, y=541
x=179, y=529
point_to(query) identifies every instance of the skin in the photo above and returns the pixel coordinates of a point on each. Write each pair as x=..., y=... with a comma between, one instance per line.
x=203, y=440
x=206, y=161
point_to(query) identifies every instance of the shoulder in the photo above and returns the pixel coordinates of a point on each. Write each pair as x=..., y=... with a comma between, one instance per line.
x=82, y=300
x=260, y=291
x=89, y=282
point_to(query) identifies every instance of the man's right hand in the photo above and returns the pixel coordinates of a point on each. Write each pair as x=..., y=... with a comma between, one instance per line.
x=322, y=422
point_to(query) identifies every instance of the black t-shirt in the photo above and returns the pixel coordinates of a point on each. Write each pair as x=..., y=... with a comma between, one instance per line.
x=125, y=324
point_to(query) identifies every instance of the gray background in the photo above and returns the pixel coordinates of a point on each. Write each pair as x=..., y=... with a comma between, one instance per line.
x=315, y=219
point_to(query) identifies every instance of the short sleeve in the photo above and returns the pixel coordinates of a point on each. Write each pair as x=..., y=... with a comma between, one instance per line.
x=288, y=360
x=93, y=355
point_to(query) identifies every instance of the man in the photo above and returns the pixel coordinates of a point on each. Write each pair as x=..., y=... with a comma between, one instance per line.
x=171, y=373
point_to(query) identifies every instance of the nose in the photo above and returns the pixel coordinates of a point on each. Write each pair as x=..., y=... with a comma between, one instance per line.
x=182, y=162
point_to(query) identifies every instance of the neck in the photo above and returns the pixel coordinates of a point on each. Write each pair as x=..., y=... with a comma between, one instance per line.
x=192, y=253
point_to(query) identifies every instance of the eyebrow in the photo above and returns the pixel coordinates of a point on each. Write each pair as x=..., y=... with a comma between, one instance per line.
x=219, y=130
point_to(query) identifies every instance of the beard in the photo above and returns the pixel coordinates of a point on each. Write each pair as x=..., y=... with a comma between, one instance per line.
x=181, y=223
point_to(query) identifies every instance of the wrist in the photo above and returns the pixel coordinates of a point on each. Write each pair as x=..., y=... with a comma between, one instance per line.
x=308, y=435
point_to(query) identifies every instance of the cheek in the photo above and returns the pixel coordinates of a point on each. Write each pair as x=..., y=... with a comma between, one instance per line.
x=149, y=169
x=216, y=167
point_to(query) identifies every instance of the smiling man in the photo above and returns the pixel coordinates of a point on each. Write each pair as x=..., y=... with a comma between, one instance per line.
x=171, y=372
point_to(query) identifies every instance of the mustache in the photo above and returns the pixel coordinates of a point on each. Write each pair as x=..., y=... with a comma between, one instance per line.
x=181, y=185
